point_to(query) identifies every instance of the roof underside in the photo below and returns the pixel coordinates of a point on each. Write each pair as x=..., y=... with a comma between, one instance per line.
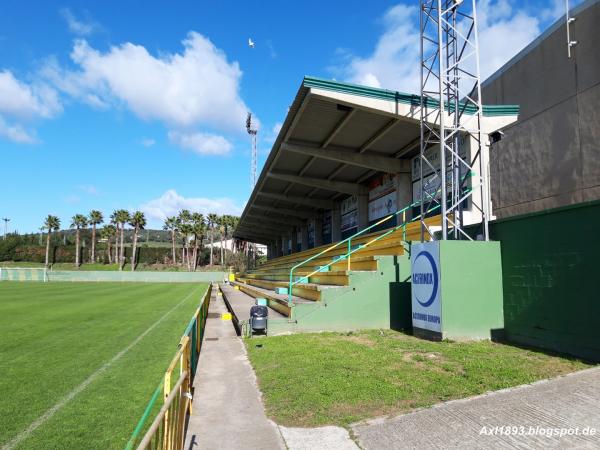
x=335, y=137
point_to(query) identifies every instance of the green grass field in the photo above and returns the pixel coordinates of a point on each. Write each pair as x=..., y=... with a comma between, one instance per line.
x=55, y=336
x=340, y=378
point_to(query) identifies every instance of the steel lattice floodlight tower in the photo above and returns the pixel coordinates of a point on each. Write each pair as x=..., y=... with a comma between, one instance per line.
x=252, y=132
x=451, y=118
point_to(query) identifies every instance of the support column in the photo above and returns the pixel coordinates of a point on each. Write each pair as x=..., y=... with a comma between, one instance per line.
x=363, y=212
x=304, y=237
x=284, y=246
x=294, y=240
x=336, y=223
x=269, y=251
x=277, y=246
x=404, y=194
x=318, y=223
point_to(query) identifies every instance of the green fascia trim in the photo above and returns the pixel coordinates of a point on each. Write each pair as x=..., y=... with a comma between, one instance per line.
x=400, y=97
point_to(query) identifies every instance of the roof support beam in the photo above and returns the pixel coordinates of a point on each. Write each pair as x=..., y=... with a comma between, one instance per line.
x=280, y=220
x=369, y=161
x=286, y=211
x=378, y=135
x=336, y=186
x=315, y=203
x=250, y=226
x=251, y=238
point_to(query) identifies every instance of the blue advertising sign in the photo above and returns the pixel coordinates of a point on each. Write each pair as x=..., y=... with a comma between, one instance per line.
x=426, y=299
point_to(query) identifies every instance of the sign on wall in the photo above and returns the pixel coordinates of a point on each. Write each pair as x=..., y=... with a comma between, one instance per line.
x=426, y=298
x=382, y=197
x=433, y=156
x=349, y=212
x=349, y=220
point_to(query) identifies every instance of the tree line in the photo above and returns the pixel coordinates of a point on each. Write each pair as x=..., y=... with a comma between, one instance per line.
x=188, y=231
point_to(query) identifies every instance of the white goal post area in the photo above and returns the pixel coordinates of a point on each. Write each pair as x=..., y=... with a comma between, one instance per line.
x=24, y=274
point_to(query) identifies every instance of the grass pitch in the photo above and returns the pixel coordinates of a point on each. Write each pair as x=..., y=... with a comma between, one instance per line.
x=340, y=378
x=54, y=336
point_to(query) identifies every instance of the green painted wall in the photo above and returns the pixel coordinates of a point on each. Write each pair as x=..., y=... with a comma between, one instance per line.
x=471, y=289
x=366, y=303
x=551, y=279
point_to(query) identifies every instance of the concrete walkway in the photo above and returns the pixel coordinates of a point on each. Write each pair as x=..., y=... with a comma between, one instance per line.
x=227, y=409
x=561, y=405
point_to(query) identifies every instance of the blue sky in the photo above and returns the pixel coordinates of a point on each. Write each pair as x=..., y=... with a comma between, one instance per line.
x=141, y=105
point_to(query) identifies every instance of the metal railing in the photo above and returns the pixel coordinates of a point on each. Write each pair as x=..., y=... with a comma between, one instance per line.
x=167, y=431
x=350, y=249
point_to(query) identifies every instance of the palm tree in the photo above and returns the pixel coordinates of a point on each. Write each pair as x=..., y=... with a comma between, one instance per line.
x=138, y=222
x=198, y=230
x=114, y=220
x=212, y=221
x=78, y=221
x=221, y=222
x=184, y=220
x=122, y=218
x=171, y=225
x=108, y=232
x=52, y=223
x=95, y=218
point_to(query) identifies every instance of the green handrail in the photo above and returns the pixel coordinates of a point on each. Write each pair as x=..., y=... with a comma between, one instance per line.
x=348, y=240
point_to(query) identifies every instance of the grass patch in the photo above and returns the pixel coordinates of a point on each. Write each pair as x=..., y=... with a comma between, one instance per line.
x=55, y=335
x=340, y=378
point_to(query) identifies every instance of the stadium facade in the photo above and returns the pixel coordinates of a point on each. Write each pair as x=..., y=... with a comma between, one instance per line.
x=346, y=156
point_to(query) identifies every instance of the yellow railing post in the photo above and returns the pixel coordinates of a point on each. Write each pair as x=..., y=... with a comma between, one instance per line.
x=349, y=252
x=166, y=392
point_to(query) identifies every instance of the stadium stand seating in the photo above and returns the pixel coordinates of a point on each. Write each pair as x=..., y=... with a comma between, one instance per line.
x=264, y=281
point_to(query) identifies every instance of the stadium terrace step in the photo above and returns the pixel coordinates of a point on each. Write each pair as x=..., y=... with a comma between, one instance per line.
x=308, y=291
x=391, y=244
x=337, y=278
x=239, y=304
x=277, y=302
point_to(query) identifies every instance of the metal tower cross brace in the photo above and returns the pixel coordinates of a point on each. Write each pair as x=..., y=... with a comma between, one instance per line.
x=452, y=165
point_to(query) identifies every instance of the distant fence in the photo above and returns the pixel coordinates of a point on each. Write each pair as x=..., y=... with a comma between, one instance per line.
x=167, y=430
x=17, y=274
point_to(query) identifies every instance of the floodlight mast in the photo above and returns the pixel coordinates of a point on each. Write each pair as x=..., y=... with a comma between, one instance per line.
x=252, y=131
x=453, y=166
x=6, y=220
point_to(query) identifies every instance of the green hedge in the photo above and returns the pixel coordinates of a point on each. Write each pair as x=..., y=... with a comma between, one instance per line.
x=66, y=254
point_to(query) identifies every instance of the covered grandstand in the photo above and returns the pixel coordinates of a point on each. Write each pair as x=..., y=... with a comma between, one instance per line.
x=346, y=157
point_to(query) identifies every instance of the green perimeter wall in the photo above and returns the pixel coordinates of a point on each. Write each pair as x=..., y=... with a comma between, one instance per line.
x=551, y=278
x=471, y=290
x=141, y=276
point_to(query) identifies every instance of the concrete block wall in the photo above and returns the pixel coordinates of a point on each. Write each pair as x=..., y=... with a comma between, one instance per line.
x=550, y=157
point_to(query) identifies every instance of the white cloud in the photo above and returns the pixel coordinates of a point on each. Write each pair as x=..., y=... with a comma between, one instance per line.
x=201, y=143
x=269, y=139
x=24, y=102
x=27, y=101
x=78, y=26
x=504, y=29
x=147, y=142
x=198, y=86
x=170, y=203
x=17, y=133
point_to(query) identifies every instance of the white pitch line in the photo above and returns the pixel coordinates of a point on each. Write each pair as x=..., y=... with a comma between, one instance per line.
x=71, y=395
